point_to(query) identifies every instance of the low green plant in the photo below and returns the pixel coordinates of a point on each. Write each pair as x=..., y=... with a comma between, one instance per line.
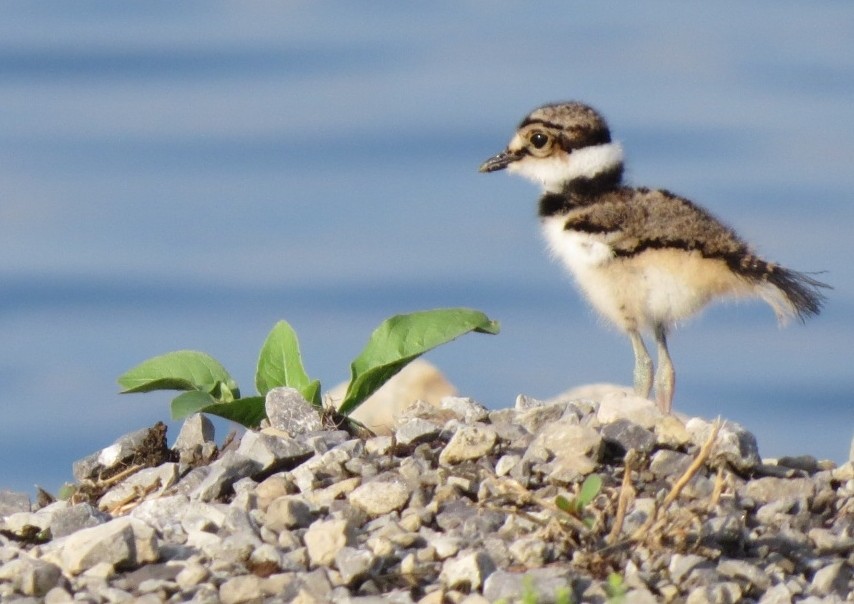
x=208, y=388
x=616, y=588
x=590, y=488
x=529, y=595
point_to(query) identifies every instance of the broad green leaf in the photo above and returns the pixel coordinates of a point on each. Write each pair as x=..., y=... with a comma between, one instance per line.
x=591, y=487
x=181, y=370
x=187, y=403
x=280, y=364
x=247, y=411
x=402, y=338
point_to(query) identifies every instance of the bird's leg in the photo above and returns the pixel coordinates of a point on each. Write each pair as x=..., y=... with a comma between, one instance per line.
x=643, y=365
x=665, y=376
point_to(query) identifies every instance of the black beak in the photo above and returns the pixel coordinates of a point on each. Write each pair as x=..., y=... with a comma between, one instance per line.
x=500, y=161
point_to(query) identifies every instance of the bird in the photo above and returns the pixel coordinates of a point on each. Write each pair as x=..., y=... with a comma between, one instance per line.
x=646, y=259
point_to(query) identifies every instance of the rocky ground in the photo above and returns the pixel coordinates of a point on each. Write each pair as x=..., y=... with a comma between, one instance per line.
x=458, y=504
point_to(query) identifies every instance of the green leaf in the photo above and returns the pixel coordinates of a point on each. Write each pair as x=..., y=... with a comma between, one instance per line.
x=181, y=370
x=565, y=504
x=247, y=411
x=591, y=487
x=401, y=339
x=187, y=403
x=280, y=364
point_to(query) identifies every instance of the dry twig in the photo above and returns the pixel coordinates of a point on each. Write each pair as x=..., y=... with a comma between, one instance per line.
x=702, y=456
x=627, y=493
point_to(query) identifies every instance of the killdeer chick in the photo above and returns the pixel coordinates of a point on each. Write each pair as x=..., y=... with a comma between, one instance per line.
x=644, y=258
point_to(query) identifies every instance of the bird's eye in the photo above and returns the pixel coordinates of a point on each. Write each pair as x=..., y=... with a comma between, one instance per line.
x=539, y=140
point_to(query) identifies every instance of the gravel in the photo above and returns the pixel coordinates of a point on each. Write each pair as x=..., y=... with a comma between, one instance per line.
x=459, y=505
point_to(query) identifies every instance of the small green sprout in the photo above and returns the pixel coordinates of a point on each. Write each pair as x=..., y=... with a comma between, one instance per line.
x=590, y=488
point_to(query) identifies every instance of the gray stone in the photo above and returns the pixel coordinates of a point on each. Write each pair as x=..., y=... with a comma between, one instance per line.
x=523, y=401
x=669, y=464
x=620, y=405
x=467, y=443
x=164, y=514
x=505, y=463
x=86, y=467
x=835, y=578
x=769, y=489
x=727, y=530
x=467, y=572
x=569, y=446
x=272, y=453
x=465, y=408
x=734, y=444
x=123, y=448
x=739, y=569
x=722, y=593
x=778, y=594
x=670, y=431
x=73, y=518
x=24, y=523
x=517, y=436
x=325, y=440
x=148, y=481
x=529, y=551
x=58, y=595
x=354, y=564
x=828, y=542
x=624, y=434
x=325, y=538
x=195, y=439
x=196, y=430
x=415, y=431
x=805, y=463
x=772, y=513
x=191, y=575
x=12, y=502
x=30, y=576
x=379, y=445
x=123, y=542
x=545, y=582
x=533, y=419
x=223, y=473
x=240, y=589
x=288, y=411
x=681, y=565
x=288, y=512
x=445, y=545
x=385, y=493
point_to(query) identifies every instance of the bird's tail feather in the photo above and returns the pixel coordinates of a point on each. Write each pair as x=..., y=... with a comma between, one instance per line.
x=790, y=293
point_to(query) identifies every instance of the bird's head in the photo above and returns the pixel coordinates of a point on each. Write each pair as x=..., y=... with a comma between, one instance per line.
x=558, y=143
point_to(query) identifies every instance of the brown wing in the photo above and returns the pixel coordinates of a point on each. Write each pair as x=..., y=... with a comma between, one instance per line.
x=634, y=220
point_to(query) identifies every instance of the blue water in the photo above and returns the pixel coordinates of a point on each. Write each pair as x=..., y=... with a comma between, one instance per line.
x=183, y=175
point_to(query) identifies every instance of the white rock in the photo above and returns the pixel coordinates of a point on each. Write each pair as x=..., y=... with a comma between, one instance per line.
x=384, y=494
x=120, y=542
x=465, y=408
x=325, y=538
x=153, y=481
x=288, y=512
x=467, y=572
x=31, y=576
x=467, y=443
x=237, y=590
x=734, y=444
x=570, y=447
x=620, y=405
